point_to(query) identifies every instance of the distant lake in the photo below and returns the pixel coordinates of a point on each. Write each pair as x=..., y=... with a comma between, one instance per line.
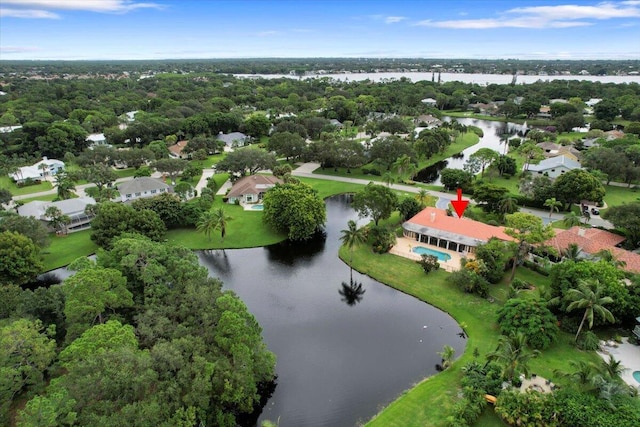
x=481, y=79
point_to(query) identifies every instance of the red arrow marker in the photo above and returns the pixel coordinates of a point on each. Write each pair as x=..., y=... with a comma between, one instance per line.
x=460, y=205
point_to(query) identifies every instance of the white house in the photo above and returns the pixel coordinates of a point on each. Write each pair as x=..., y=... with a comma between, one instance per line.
x=142, y=187
x=38, y=171
x=97, y=139
x=7, y=129
x=73, y=208
x=233, y=139
x=554, y=166
x=429, y=102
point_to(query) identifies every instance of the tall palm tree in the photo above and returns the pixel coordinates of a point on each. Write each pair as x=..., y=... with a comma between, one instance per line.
x=587, y=296
x=571, y=220
x=404, y=167
x=221, y=220
x=207, y=224
x=553, y=205
x=352, y=237
x=513, y=354
x=64, y=186
x=422, y=197
x=388, y=178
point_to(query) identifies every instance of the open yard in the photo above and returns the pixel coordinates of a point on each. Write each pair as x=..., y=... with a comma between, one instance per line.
x=6, y=182
x=65, y=249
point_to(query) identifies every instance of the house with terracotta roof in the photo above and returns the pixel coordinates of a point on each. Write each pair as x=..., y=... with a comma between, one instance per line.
x=251, y=189
x=434, y=227
x=593, y=240
x=176, y=151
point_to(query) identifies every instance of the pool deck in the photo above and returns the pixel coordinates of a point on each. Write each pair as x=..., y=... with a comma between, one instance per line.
x=404, y=246
x=628, y=354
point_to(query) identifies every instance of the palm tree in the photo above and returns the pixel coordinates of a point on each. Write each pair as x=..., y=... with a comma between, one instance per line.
x=221, y=219
x=447, y=354
x=553, y=205
x=207, y=224
x=571, y=220
x=422, y=197
x=514, y=355
x=583, y=373
x=612, y=367
x=64, y=186
x=388, y=178
x=404, y=167
x=587, y=296
x=44, y=167
x=352, y=237
x=508, y=205
x=572, y=252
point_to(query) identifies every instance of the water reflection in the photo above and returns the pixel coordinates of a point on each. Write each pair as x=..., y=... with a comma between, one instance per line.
x=352, y=293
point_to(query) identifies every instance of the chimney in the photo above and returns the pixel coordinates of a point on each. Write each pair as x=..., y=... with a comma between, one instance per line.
x=581, y=232
x=433, y=217
x=44, y=158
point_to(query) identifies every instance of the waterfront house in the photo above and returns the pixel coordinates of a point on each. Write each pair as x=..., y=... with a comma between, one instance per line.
x=554, y=166
x=73, y=208
x=251, y=189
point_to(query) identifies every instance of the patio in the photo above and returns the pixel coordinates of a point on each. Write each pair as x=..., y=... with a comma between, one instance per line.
x=404, y=248
x=628, y=354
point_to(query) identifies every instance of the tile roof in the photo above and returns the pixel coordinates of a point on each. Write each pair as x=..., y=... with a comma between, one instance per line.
x=592, y=241
x=253, y=184
x=434, y=220
x=178, y=147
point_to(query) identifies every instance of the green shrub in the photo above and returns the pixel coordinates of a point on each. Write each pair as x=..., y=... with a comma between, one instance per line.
x=530, y=317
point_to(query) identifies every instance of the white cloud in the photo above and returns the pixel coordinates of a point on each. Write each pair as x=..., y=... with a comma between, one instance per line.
x=560, y=16
x=394, y=19
x=28, y=13
x=104, y=6
x=17, y=49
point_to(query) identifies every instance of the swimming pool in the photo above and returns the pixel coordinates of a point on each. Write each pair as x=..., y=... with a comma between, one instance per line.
x=421, y=250
x=636, y=376
x=257, y=207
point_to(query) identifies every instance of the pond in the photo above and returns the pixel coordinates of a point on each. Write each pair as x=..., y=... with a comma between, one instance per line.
x=492, y=132
x=343, y=352
x=338, y=364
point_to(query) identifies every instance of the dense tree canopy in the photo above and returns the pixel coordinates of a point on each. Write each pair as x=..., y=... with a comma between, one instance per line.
x=114, y=219
x=294, y=209
x=20, y=258
x=376, y=201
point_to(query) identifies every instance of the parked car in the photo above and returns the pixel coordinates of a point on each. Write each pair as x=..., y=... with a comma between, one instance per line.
x=595, y=211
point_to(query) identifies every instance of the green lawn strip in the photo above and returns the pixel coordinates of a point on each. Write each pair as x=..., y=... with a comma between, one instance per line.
x=615, y=195
x=430, y=402
x=44, y=198
x=6, y=182
x=125, y=173
x=65, y=249
x=462, y=142
x=489, y=418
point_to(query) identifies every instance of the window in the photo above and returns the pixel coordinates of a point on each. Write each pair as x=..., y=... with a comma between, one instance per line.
x=137, y=194
x=153, y=191
x=128, y=196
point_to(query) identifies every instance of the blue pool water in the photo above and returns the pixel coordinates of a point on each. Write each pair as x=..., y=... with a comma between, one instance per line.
x=636, y=376
x=257, y=207
x=421, y=250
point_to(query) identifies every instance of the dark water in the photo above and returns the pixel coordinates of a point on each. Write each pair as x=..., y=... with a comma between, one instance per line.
x=337, y=363
x=491, y=139
x=343, y=353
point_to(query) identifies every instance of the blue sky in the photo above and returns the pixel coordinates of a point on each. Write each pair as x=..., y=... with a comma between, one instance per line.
x=158, y=29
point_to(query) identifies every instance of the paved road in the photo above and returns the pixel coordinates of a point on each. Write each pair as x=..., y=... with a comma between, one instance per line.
x=306, y=170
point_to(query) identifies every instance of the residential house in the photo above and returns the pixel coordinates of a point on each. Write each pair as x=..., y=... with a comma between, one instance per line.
x=336, y=123
x=554, y=166
x=430, y=102
x=96, y=140
x=73, y=208
x=428, y=121
x=8, y=129
x=544, y=112
x=251, y=189
x=613, y=134
x=142, y=187
x=550, y=148
x=233, y=139
x=593, y=240
x=434, y=227
x=592, y=102
x=176, y=151
x=38, y=171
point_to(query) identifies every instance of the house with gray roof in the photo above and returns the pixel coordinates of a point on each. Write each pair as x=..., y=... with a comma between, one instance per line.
x=73, y=208
x=142, y=187
x=554, y=166
x=233, y=139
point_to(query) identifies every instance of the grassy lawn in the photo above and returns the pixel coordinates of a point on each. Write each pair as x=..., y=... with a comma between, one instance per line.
x=45, y=198
x=65, y=249
x=125, y=173
x=6, y=182
x=620, y=195
x=429, y=403
x=463, y=141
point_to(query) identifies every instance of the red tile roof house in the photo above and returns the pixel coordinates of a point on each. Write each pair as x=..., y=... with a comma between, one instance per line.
x=251, y=189
x=434, y=227
x=592, y=241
